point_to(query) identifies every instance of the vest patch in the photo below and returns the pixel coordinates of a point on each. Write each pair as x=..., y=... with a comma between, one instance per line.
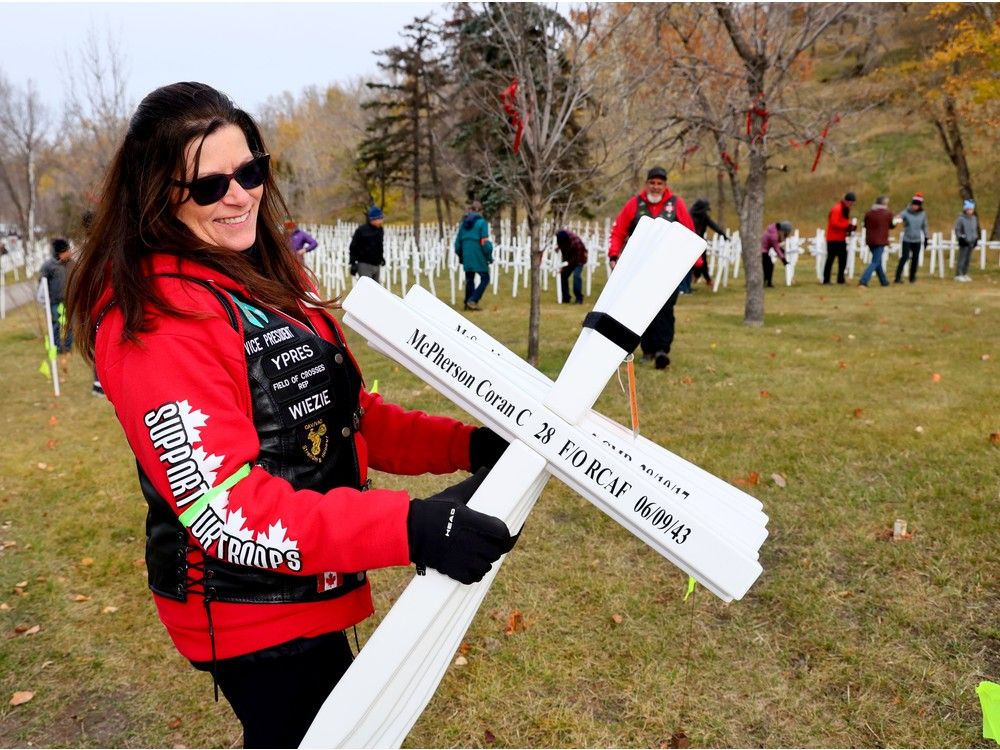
x=317, y=440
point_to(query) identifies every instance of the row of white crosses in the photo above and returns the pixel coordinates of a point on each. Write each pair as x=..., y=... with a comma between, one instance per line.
x=706, y=527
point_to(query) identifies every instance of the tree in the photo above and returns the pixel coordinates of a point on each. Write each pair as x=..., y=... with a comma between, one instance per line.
x=400, y=145
x=543, y=86
x=24, y=122
x=729, y=81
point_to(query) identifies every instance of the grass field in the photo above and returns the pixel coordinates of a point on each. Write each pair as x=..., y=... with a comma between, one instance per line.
x=872, y=405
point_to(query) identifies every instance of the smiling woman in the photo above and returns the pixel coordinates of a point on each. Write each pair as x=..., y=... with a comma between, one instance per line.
x=250, y=424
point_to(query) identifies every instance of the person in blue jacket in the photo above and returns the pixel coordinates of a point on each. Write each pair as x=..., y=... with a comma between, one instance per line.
x=475, y=252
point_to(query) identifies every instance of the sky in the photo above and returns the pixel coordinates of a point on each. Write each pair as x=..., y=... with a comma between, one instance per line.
x=249, y=50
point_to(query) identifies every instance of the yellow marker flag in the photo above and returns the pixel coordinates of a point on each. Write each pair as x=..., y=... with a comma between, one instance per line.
x=44, y=369
x=374, y=386
x=989, y=698
x=690, y=590
x=62, y=314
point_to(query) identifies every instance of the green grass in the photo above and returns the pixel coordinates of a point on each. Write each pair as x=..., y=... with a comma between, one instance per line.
x=847, y=640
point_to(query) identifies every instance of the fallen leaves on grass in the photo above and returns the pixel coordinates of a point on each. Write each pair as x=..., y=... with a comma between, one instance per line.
x=677, y=740
x=79, y=598
x=995, y=439
x=87, y=562
x=842, y=365
x=858, y=413
x=52, y=444
x=515, y=622
x=25, y=630
x=53, y=420
x=750, y=480
x=779, y=480
x=765, y=394
x=617, y=619
x=985, y=358
x=687, y=380
x=887, y=535
x=109, y=610
x=936, y=377
x=461, y=661
x=489, y=737
x=4, y=606
x=21, y=697
x=919, y=428
x=174, y=723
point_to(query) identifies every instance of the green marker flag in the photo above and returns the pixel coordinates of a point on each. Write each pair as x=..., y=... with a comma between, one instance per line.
x=61, y=310
x=374, y=386
x=50, y=349
x=690, y=590
x=44, y=369
x=989, y=697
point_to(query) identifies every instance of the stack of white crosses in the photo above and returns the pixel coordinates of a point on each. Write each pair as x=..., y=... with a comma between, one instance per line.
x=706, y=527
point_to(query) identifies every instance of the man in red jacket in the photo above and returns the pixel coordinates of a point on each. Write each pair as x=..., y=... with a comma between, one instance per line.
x=658, y=201
x=838, y=226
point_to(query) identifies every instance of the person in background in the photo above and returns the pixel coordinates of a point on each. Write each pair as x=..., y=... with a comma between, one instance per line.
x=367, y=250
x=702, y=223
x=475, y=252
x=839, y=224
x=56, y=271
x=967, y=234
x=879, y=221
x=574, y=256
x=298, y=239
x=656, y=200
x=915, y=234
x=262, y=520
x=773, y=239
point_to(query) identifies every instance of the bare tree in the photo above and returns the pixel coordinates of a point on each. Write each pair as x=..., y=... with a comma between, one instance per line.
x=24, y=122
x=564, y=81
x=96, y=112
x=730, y=80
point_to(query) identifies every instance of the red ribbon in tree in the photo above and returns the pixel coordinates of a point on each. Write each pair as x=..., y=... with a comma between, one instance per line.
x=729, y=160
x=687, y=152
x=508, y=99
x=822, y=141
x=760, y=110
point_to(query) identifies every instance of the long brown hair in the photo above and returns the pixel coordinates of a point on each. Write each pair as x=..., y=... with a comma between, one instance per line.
x=136, y=217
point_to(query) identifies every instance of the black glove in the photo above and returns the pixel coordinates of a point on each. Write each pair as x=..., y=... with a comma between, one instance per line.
x=354, y=268
x=485, y=448
x=455, y=540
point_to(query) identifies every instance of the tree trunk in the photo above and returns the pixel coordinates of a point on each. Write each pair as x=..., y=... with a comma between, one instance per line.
x=536, y=214
x=950, y=130
x=415, y=114
x=31, y=197
x=435, y=180
x=751, y=227
x=720, y=188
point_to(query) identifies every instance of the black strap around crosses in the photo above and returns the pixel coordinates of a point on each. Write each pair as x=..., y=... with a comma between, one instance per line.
x=615, y=332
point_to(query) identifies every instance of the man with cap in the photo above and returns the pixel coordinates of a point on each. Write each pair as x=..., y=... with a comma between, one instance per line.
x=658, y=201
x=915, y=234
x=773, y=239
x=367, y=253
x=967, y=234
x=839, y=224
x=56, y=272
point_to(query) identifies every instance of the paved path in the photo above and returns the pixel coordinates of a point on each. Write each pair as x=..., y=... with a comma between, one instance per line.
x=18, y=294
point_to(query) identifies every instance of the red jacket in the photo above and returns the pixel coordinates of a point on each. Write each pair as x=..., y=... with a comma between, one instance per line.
x=623, y=222
x=838, y=224
x=199, y=364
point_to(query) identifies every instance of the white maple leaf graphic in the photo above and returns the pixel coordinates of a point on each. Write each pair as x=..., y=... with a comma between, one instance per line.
x=276, y=537
x=193, y=420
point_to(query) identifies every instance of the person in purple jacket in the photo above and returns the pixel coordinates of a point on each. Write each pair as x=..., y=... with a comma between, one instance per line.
x=773, y=239
x=298, y=240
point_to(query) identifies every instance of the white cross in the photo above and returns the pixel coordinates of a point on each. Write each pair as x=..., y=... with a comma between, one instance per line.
x=703, y=525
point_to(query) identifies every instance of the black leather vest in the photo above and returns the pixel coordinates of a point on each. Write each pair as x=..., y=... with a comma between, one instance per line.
x=669, y=211
x=304, y=392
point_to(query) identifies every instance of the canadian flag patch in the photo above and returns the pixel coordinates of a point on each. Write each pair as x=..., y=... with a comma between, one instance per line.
x=327, y=581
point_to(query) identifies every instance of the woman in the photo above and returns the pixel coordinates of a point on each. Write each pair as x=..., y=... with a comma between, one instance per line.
x=249, y=421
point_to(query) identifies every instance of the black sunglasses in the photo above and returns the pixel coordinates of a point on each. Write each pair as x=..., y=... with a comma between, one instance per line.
x=212, y=188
